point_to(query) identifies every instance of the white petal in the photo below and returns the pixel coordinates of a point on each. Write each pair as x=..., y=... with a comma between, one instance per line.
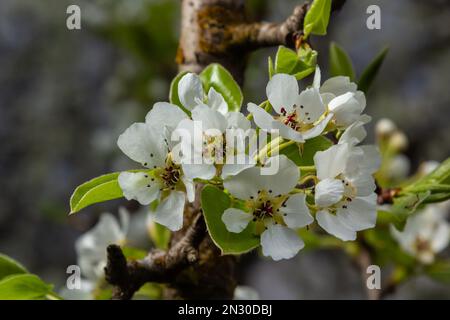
x=190, y=188
x=287, y=132
x=138, y=186
x=312, y=104
x=216, y=101
x=360, y=214
x=354, y=134
x=282, y=92
x=143, y=145
x=124, y=218
x=169, y=212
x=200, y=171
x=279, y=242
x=328, y=192
x=334, y=226
x=164, y=117
x=317, y=76
x=210, y=119
x=338, y=86
x=372, y=160
x=331, y=162
x=297, y=212
x=190, y=90
x=346, y=109
x=229, y=170
x=441, y=237
x=363, y=183
x=318, y=128
x=236, y=220
x=236, y=120
x=262, y=118
x=245, y=184
x=285, y=178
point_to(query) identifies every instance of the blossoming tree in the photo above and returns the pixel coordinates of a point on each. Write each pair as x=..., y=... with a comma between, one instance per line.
x=218, y=178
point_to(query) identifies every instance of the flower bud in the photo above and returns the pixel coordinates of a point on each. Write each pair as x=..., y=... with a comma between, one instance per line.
x=398, y=141
x=385, y=127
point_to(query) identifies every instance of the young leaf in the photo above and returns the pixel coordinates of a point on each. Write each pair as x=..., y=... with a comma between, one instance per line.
x=24, y=287
x=160, y=235
x=173, y=93
x=406, y=205
x=270, y=67
x=310, y=147
x=100, y=189
x=299, y=65
x=222, y=81
x=371, y=71
x=440, y=271
x=9, y=266
x=340, y=63
x=214, y=203
x=317, y=18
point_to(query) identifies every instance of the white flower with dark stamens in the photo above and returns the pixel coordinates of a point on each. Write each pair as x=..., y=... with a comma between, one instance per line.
x=341, y=97
x=345, y=194
x=271, y=207
x=299, y=116
x=426, y=233
x=205, y=148
x=164, y=180
x=191, y=94
x=91, y=246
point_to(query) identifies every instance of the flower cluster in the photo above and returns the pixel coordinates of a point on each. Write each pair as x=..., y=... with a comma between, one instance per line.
x=200, y=141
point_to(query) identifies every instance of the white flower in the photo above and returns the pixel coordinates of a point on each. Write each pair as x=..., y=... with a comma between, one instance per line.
x=426, y=233
x=273, y=210
x=190, y=92
x=147, y=144
x=245, y=293
x=209, y=143
x=299, y=116
x=91, y=246
x=341, y=96
x=385, y=127
x=345, y=194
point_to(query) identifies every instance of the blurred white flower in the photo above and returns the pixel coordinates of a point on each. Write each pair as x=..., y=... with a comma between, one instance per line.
x=398, y=141
x=245, y=293
x=398, y=167
x=385, y=127
x=426, y=233
x=428, y=166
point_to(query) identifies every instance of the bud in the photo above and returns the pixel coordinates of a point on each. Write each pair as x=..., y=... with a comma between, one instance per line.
x=385, y=127
x=398, y=141
x=399, y=167
x=427, y=167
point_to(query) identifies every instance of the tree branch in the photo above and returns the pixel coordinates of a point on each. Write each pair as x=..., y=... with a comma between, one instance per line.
x=158, y=266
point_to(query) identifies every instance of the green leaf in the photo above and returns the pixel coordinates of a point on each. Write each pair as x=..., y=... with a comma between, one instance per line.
x=370, y=72
x=440, y=271
x=9, y=266
x=317, y=18
x=100, y=189
x=134, y=253
x=406, y=205
x=160, y=235
x=222, y=81
x=214, y=203
x=173, y=93
x=24, y=287
x=270, y=67
x=340, y=63
x=310, y=147
x=299, y=65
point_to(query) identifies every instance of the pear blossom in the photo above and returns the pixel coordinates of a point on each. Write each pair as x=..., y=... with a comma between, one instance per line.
x=91, y=246
x=426, y=233
x=342, y=98
x=147, y=144
x=344, y=193
x=274, y=211
x=208, y=145
x=300, y=116
x=191, y=94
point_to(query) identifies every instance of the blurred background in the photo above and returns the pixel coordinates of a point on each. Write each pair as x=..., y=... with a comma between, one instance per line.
x=65, y=96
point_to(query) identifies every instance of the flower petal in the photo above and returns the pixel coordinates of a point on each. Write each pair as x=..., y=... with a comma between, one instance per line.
x=217, y=102
x=190, y=90
x=331, y=162
x=164, y=117
x=138, y=186
x=236, y=220
x=441, y=237
x=363, y=183
x=346, y=109
x=310, y=106
x=334, y=226
x=280, y=242
x=236, y=120
x=284, y=179
x=201, y=171
x=317, y=76
x=245, y=184
x=296, y=212
x=262, y=118
x=338, y=86
x=355, y=133
x=328, y=192
x=282, y=92
x=229, y=170
x=287, y=132
x=210, y=119
x=360, y=214
x=318, y=128
x=169, y=212
x=143, y=145
x=190, y=188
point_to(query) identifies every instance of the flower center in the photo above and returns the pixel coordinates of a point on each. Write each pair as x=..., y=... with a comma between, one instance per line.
x=213, y=148
x=294, y=119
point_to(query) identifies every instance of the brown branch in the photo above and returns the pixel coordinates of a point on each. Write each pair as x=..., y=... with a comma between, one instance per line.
x=158, y=266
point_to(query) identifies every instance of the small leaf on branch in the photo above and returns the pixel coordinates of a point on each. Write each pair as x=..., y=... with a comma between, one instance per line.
x=24, y=287
x=340, y=62
x=370, y=72
x=173, y=93
x=299, y=65
x=317, y=18
x=9, y=266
